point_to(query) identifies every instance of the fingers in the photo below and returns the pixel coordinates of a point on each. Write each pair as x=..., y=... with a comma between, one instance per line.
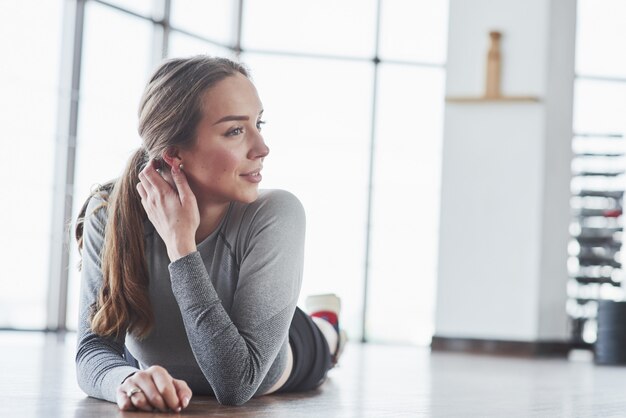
x=123, y=401
x=149, y=397
x=183, y=391
x=151, y=179
x=182, y=185
x=150, y=389
x=142, y=191
x=153, y=189
x=165, y=385
x=136, y=400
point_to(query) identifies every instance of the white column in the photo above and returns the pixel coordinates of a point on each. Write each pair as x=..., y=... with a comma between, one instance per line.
x=502, y=269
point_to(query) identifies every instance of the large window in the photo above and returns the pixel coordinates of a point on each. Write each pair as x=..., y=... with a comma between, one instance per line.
x=115, y=68
x=405, y=205
x=30, y=39
x=353, y=97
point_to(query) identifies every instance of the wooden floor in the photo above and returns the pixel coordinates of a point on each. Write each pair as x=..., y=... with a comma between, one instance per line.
x=37, y=373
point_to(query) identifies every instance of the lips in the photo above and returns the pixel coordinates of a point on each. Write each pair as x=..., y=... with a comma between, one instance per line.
x=253, y=176
x=253, y=173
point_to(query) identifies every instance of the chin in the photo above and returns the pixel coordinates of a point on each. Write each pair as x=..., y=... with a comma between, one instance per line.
x=249, y=197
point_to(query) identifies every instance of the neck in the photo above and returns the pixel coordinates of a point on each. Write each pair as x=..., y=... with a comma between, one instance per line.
x=210, y=217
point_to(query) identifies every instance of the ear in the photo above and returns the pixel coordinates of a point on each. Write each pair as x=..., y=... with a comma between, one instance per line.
x=172, y=156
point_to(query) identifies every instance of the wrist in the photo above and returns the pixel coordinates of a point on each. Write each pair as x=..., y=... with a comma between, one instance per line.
x=126, y=378
x=181, y=250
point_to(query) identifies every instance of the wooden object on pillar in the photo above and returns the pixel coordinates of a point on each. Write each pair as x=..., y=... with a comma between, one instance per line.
x=493, y=78
x=494, y=64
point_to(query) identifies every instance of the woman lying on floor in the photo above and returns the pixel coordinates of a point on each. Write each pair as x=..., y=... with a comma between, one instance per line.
x=190, y=274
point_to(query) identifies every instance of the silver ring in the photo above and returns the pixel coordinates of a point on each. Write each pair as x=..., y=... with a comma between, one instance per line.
x=131, y=392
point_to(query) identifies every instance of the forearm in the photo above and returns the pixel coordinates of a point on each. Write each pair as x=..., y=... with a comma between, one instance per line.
x=100, y=367
x=235, y=361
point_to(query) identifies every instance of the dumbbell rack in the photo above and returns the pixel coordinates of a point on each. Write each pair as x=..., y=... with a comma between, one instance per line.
x=595, y=262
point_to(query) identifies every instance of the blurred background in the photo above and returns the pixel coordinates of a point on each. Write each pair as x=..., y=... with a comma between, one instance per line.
x=354, y=96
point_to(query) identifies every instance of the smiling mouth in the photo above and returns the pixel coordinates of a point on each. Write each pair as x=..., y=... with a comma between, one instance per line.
x=252, y=173
x=253, y=177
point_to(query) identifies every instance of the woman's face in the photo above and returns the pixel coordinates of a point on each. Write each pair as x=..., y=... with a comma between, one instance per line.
x=225, y=162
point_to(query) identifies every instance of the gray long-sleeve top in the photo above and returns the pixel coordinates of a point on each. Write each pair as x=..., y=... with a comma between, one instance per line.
x=222, y=313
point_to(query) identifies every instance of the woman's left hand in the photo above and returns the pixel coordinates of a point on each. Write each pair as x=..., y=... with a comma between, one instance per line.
x=153, y=388
x=172, y=210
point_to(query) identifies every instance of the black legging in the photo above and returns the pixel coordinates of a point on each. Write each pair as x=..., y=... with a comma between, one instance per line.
x=311, y=355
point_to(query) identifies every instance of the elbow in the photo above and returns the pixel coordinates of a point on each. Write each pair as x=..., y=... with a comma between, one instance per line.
x=233, y=398
x=83, y=383
x=81, y=378
x=232, y=401
x=84, y=380
x=236, y=390
x=81, y=372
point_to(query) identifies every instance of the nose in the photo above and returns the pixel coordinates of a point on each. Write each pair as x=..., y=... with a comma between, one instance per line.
x=259, y=148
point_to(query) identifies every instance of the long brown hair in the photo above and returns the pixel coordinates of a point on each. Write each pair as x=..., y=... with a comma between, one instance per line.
x=169, y=112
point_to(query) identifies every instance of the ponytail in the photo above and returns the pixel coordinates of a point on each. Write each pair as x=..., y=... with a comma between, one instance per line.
x=123, y=303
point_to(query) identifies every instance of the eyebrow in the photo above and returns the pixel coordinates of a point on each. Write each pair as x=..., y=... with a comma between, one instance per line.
x=230, y=118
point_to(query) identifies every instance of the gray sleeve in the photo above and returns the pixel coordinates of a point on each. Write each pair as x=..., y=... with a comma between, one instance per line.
x=235, y=352
x=100, y=367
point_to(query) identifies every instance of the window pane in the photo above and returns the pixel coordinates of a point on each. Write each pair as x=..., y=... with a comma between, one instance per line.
x=599, y=106
x=406, y=204
x=318, y=130
x=414, y=30
x=29, y=98
x=215, y=20
x=600, y=38
x=142, y=7
x=182, y=45
x=345, y=28
x=114, y=72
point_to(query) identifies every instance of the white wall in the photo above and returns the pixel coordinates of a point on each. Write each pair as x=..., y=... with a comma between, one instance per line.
x=506, y=169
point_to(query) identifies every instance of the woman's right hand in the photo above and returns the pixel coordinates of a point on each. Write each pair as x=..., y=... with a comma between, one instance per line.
x=172, y=209
x=153, y=389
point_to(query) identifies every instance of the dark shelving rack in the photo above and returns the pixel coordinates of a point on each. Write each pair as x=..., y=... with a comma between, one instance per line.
x=595, y=263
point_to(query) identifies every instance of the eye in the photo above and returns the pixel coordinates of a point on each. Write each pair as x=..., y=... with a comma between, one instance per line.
x=235, y=131
x=259, y=124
